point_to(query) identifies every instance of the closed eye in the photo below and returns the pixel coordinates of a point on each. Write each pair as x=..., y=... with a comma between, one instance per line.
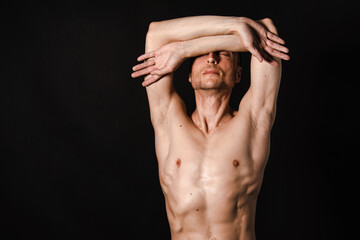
x=225, y=53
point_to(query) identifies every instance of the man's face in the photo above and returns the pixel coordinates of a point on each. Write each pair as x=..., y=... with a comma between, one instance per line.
x=215, y=70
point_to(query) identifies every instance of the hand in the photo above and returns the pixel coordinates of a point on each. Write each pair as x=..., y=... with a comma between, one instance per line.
x=158, y=63
x=261, y=40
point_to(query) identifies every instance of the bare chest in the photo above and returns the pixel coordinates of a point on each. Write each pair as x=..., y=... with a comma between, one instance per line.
x=203, y=165
x=201, y=173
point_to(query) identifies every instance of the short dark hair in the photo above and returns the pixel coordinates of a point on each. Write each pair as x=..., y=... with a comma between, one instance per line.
x=238, y=61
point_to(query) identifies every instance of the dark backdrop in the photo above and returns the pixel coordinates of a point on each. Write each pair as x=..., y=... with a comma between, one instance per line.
x=77, y=147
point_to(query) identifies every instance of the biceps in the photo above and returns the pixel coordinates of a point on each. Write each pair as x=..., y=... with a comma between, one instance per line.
x=159, y=97
x=259, y=103
x=264, y=86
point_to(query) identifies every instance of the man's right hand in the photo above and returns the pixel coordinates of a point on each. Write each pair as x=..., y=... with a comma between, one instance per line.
x=161, y=62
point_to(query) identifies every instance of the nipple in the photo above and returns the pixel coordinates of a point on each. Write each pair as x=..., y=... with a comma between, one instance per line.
x=236, y=163
x=178, y=162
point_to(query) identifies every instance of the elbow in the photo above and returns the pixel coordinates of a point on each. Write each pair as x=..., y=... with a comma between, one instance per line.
x=155, y=37
x=149, y=40
x=152, y=28
x=152, y=37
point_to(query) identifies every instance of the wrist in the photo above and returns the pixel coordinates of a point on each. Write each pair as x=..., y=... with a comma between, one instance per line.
x=183, y=49
x=243, y=19
x=237, y=22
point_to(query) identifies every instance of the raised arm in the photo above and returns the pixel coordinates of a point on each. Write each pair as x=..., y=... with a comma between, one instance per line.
x=166, y=35
x=249, y=36
x=260, y=100
x=167, y=59
x=186, y=28
x=169, y=43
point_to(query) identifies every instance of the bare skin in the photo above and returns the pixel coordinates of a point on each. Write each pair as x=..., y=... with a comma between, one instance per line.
x=211, y=164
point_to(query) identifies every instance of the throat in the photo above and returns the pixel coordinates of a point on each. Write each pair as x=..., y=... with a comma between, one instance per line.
x=211, y=111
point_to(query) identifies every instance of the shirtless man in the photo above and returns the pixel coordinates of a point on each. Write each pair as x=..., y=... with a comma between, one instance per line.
x=211, y=164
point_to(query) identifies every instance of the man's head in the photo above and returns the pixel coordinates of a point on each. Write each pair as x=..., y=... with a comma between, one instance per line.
x=215, y=70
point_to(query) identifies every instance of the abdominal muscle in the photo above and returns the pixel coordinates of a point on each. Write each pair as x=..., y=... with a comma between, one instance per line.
x=209, y=200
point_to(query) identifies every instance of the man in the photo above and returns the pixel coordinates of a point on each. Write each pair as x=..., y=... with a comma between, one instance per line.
x=211, y=164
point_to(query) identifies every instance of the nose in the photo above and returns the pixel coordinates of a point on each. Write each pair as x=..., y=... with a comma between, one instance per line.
x=212, y=58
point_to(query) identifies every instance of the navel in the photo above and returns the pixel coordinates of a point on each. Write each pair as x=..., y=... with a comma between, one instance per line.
x=236, y=163
x=178, y=162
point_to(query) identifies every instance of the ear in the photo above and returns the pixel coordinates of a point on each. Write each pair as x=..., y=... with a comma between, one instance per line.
x=189, y=77
x=238, y=74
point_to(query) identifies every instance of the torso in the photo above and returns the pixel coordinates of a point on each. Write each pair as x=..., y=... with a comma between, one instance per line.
x=211, y=181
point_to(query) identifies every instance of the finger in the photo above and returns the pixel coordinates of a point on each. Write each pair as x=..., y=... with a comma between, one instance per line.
x=270, y=59
x=256, y=54
x=150, y=80
x=146, y=56
x=143, y=65
x=275, y=38
x=143, y=72
x=162, y=71
x=158, y=72
x=276, y=53
x=274, y=63
x=276, y=46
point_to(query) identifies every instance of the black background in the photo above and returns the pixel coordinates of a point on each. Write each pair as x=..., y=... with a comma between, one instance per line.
x=77, y=147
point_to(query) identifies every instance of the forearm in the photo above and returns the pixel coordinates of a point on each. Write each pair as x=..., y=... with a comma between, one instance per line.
x=203, y=45
x=205, y=34
x=187, y=28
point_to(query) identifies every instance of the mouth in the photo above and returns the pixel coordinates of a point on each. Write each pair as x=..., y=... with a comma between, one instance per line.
x=211, y=71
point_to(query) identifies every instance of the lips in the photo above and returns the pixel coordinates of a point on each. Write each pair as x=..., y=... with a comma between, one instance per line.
x=211, y=71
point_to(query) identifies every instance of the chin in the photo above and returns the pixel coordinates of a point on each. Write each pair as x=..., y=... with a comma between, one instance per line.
x=212, y=82
x=208, y=85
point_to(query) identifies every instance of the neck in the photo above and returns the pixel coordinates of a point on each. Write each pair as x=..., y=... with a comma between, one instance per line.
x=212, y=109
